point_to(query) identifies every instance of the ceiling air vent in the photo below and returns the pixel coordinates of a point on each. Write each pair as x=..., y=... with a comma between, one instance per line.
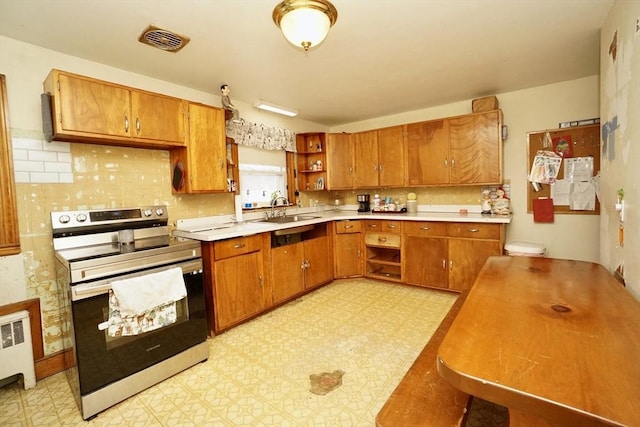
x=163, y=39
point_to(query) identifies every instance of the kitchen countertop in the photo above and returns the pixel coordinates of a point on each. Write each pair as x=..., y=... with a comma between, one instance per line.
x=222, y=227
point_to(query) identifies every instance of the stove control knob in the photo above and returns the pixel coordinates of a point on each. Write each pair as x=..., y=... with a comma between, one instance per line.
x=81, y=217
x=64, y=219
x=147, y=212
x=159, y=211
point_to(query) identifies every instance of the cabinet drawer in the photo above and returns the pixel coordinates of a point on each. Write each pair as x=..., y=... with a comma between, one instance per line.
x=383, y=226
x=382, y=239
x=343, y=227
x=475, y=230
x=238, y=246
x=425, y=228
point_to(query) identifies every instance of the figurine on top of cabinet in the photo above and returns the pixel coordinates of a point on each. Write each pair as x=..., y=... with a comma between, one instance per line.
x=485, y=202
x=501, y=205
x=226, y=102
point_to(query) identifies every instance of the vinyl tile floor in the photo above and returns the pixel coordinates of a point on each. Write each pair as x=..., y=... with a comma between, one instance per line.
x=258, y=373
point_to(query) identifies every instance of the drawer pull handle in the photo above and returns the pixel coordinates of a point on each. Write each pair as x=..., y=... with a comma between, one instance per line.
x=372, y=225
x=425, y=228
x=382, y=239
x=473, y=230
x=238, y=246
x=346, y=227
x=391, y=226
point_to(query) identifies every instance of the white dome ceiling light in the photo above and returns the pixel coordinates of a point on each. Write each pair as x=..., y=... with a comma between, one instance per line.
x=305, y=23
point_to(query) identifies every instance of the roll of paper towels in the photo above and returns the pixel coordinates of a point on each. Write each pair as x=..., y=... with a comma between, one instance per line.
x=238, y=208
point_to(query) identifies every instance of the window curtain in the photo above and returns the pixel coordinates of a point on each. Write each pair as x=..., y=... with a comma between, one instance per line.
x=261, y=136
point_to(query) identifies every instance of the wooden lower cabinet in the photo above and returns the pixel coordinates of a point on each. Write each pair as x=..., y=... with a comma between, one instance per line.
x=448, y=255
x=235, y=270
x=300, y=266
x=317, y=254
x=238, y=289
x=287, y=271
x=425, y=261
x=466, y=258
x=347, y=249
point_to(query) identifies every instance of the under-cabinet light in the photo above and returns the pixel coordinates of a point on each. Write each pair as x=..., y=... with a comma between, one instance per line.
x=275, y=108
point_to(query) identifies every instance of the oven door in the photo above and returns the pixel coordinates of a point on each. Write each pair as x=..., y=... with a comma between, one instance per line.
x=103, y=359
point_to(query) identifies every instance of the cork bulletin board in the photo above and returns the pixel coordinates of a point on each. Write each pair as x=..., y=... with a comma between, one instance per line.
x=578, y=141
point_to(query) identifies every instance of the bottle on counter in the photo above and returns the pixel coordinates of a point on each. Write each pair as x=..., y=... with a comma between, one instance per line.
x=376, y=201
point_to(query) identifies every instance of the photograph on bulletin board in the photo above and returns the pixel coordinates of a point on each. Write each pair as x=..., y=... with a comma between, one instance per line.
x=562, y=146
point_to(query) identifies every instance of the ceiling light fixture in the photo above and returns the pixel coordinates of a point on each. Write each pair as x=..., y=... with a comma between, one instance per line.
x=305, y=23
x=275, y=108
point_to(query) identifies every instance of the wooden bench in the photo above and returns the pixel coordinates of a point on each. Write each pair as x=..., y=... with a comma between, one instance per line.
x=423, y=398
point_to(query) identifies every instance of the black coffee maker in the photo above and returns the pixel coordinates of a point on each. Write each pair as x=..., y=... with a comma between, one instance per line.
x=363, y=203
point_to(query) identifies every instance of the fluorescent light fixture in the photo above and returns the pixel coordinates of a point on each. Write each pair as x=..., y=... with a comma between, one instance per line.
x=275, y=108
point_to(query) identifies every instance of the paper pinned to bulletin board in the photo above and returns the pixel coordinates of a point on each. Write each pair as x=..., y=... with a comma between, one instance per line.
x=575, y=188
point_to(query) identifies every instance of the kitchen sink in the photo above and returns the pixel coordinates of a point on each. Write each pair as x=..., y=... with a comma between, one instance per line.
x=289, y=218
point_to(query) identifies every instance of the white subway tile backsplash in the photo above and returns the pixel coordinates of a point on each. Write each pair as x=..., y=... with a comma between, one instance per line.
x=44, y=177
x=64, y=157
x=43, y=156
x=28, y=166
x=57, y=167
x=27, y=143
x=20, y=154
x=21, y=177
x=38, y=161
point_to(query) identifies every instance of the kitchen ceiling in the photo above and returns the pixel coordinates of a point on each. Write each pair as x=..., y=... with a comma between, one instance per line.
x=381, y=57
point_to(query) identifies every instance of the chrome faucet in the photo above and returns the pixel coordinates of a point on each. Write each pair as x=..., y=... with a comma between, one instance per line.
x=279, y=213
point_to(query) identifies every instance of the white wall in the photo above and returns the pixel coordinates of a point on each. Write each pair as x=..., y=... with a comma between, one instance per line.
x=570, y=236
x=620, y=94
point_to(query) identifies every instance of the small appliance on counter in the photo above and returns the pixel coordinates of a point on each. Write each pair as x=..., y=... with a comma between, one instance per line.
x=363, y=203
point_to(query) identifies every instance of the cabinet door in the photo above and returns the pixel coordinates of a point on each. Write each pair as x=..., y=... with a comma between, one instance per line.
x=89, y=106
x=238, y=289
x=339, y=161
x=391, y=144
x=206, y=152
x=466, y=258
x=317, y=253
x=425, y=261
x=9, y=231
x=365, y=159
x=348, y=255
x=157, y=117
x=476, y=148
x=428, y=153
x=287, y=272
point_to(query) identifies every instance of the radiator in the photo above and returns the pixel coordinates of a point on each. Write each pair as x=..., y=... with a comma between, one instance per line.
x=16, y=353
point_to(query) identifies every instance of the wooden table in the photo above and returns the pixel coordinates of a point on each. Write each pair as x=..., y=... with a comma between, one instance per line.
x=555, y=341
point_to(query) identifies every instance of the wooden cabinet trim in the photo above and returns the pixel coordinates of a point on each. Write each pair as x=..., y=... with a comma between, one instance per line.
x=9, y=231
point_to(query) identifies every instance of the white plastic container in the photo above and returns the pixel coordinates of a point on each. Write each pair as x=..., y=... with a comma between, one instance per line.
x=524, y=248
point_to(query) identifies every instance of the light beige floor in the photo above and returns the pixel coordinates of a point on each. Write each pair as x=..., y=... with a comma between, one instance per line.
x=258, y=373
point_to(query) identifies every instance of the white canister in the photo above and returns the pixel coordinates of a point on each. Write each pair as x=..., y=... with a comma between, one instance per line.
x=412, y=206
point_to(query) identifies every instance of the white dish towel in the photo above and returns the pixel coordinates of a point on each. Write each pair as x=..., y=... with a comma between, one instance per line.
x=140, y=294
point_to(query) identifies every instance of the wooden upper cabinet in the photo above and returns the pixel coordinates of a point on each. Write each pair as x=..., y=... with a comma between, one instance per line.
x=339, y=161
x=391, y=156
x=9, y=232
x=379, y=157
x=455, y=151
x=428, y=153
x=204, y=160
x=365, y=159
x=476, y=148
x=157, y=117
x=95, y=111
x=88, y=106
